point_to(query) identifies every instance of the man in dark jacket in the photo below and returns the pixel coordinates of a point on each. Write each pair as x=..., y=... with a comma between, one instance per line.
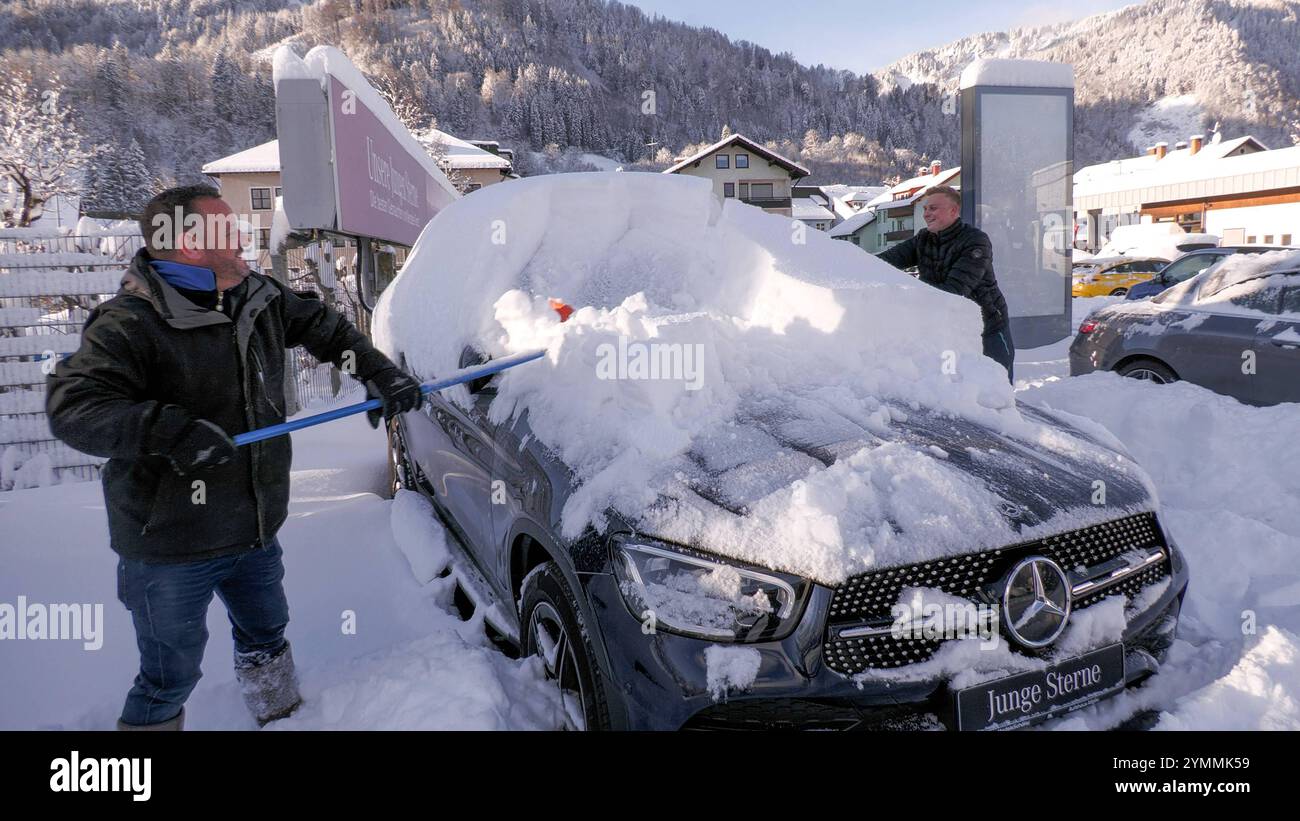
x=189, y=353
x=958, y=258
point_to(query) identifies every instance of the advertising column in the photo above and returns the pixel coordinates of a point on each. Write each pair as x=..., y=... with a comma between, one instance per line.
x=1017, y=158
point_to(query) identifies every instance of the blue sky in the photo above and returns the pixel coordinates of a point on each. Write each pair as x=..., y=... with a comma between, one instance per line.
x=861, y=35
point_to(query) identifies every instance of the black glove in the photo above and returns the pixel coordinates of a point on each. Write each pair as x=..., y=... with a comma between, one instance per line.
x=202, y=445
x=399, y=393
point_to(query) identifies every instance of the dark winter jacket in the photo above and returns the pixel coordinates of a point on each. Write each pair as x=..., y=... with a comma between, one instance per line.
x=151, y=361
x=958, y=259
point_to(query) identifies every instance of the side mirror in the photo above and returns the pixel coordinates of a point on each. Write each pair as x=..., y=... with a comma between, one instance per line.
x=367, y=279
x=469, y=358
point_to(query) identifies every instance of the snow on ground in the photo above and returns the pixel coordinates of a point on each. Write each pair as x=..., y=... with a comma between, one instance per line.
x=411, y=662
x=1230, y=496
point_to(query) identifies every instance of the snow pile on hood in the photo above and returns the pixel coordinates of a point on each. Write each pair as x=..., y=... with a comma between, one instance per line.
x=692, y=317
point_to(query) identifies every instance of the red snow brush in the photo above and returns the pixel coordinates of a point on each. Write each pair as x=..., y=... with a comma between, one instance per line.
x=562, y=308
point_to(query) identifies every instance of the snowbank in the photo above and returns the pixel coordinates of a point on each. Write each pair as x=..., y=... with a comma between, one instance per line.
x=1231, y=499
x=376, y=644
x=752, y=317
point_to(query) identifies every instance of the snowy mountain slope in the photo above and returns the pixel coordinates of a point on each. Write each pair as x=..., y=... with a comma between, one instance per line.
x=190, y=83
x=1236, y=59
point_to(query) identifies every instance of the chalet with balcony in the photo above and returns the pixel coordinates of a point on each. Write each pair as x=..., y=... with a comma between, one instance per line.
x=740, y=168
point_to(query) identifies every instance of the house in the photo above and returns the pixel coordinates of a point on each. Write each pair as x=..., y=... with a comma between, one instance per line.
x=860, y=229
x=813, y=212
x=825, y=206
x=480, y=162
x=848, y=200
x=249, y=183
x=1239, y=190
x=250, y=180
x=742, y=169
x=809, y=205
x=898, y=210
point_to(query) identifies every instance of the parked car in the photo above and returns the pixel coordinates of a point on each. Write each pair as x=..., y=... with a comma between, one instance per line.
x=739, y=565
x=579, y=603
x=1113, y=276
x=1189, y=265
x=733, y=551
x=1234, y=328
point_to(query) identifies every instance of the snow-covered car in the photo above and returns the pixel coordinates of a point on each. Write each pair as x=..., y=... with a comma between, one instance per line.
x=1191, y=264
x=1166, y=240
x=759, y=478
x=1234, y=328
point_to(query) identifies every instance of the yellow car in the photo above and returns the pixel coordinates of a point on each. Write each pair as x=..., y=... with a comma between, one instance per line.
x=1113, y=276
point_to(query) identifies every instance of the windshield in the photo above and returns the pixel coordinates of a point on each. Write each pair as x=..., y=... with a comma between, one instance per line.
x=1188, y=267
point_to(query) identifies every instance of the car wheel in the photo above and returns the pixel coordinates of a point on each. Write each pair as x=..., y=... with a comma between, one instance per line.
x=553, y=630
x=401, y=473
x=1150, y=370
x=1119, y=292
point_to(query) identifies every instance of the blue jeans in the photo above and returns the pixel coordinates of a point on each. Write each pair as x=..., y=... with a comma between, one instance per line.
x=999, y=347
x=169, y=606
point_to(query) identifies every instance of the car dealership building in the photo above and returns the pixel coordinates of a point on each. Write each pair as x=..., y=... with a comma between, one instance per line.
x=1237, y=189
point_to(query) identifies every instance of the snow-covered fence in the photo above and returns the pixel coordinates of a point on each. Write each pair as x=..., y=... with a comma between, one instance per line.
x=50, y=279
x=330, y=271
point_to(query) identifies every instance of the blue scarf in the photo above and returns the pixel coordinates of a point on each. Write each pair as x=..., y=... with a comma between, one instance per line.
x=180, y=275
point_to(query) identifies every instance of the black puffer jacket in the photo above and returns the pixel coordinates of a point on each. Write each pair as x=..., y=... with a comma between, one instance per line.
x=150, y=361
x=958, y=259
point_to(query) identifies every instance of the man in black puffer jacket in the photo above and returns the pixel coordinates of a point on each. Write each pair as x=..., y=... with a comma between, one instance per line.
x=958, y=258
x=189, y=353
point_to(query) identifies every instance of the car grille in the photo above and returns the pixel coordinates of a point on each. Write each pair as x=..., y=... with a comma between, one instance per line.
x=864, y=601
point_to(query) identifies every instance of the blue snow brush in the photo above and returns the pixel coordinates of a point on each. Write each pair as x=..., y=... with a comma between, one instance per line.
x=455, y=378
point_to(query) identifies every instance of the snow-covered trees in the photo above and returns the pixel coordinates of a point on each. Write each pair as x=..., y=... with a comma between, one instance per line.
x=40, y=149
x=576, y=72
x=118, y=180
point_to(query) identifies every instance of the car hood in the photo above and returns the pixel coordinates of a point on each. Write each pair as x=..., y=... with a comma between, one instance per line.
x=801, y=487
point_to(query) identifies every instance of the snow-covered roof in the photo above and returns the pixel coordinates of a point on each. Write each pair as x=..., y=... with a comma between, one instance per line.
x=1145, y=180
x=260, y=159
x=1130, y=165
x=848, y=200
x=854, y=223
x=795, y=169
x=803, y=208
x=918, y=186
x=265, y=158
x=461, y=153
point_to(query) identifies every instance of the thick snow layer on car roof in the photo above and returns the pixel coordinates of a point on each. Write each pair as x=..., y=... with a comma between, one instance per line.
x=752, y=316
x=1241, y=267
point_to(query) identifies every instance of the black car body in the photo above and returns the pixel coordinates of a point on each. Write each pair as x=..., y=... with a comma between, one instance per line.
x=1237, y=338
x=822, y=660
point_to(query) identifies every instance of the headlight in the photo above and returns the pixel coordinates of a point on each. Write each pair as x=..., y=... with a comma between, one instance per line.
x=702, y=596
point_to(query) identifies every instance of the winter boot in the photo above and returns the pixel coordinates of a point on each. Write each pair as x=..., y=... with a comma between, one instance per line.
x=268, y=684
x=177, y=723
